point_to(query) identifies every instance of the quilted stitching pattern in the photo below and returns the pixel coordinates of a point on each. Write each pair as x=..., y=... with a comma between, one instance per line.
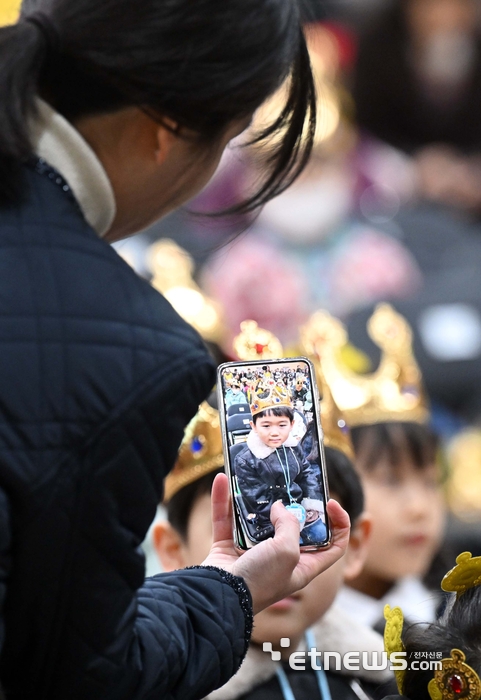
x=99, y=378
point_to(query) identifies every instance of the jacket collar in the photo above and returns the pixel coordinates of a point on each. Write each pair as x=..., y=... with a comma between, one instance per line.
x=261, y=450
x=337, y=631
x=416, y=601
x=56, y=141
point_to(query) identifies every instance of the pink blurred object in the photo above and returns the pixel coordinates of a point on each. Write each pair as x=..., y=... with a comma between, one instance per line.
x=372, y=267
x=252, y=279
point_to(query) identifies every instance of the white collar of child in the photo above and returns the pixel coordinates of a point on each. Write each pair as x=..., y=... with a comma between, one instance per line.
x=336, y=631
x=260, y=450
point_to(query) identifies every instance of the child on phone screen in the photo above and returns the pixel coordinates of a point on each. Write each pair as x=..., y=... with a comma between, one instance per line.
x=273, y=467
x=184, y=538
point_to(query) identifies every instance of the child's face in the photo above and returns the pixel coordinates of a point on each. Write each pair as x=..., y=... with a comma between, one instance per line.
x=273, y=430
x=407, y=508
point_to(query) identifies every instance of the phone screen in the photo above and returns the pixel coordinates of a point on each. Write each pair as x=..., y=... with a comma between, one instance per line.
x=273, y=448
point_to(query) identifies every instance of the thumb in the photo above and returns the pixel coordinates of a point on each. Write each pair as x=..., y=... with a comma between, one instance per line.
x=221, y=509
x=286, y=525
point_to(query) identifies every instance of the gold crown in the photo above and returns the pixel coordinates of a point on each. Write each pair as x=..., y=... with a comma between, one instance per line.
x=271, y=396
x=173, y=269
x=394, y=392
x=254, y=343
x=200, y=452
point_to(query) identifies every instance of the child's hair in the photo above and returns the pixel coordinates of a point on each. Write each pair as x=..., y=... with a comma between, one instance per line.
x=344, y=482
x=394, y=440
x=202, y=65
x=275, y=411
x=459, y=628
x=181, y=504
x=342, y=477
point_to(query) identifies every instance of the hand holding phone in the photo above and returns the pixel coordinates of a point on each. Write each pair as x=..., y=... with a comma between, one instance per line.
x=275, y=568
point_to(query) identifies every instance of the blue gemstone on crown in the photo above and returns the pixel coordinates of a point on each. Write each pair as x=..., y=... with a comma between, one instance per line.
x=196, y=445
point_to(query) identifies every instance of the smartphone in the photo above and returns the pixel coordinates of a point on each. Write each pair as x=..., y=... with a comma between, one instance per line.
x=273, y=448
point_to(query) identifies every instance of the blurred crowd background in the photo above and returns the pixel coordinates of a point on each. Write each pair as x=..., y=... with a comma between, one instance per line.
x=389, y=209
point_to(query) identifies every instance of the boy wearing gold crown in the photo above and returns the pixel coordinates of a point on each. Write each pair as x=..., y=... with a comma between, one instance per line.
x=272, y=467
x=184, y=539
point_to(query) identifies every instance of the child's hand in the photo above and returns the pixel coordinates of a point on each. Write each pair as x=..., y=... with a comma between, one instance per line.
x=275, y=568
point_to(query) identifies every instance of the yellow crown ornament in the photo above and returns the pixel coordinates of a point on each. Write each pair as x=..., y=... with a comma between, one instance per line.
x=254, y=343
x=393, y=642
x=200, y=452
x=455, y=679
x=466, y=574
x=394, y=392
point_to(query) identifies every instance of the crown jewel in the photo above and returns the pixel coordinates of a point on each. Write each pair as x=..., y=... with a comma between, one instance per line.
x=254, y=343
x=200, y=451
x=393, y=392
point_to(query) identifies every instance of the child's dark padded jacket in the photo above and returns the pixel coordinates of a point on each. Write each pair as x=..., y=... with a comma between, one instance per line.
x=99, y=376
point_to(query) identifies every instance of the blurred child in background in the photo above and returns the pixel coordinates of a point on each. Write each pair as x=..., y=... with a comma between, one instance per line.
x=396, y=455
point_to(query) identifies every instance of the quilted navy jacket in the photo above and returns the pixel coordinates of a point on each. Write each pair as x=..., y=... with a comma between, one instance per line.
x=99, y=376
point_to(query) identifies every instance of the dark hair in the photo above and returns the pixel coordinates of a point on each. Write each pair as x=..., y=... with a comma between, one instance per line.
x=394, y=440
x=274, y=411
x=459, y=628
x=342, y=477
x=202, y=64
x=344, y=482
x=180, y=505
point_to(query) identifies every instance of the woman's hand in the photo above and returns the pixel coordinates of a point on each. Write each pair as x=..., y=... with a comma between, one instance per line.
x=275, y=568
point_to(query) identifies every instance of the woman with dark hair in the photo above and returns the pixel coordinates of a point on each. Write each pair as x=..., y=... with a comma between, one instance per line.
x=113, y=113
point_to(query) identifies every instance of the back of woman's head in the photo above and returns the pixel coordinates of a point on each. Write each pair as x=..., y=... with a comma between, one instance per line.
x=201, y=65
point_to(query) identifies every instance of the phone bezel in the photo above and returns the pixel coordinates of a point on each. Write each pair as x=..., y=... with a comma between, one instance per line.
x=239, y=538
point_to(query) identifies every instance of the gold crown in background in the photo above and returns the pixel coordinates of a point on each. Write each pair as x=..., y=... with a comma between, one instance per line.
x=200, y=452
x=254, y=343
x=394, y=392
x=172, y=269
x=270, y=396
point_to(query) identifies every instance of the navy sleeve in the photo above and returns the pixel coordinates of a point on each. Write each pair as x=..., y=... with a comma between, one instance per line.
x=192, y=629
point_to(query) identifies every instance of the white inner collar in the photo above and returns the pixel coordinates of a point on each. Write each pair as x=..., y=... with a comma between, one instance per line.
x=56, y=141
